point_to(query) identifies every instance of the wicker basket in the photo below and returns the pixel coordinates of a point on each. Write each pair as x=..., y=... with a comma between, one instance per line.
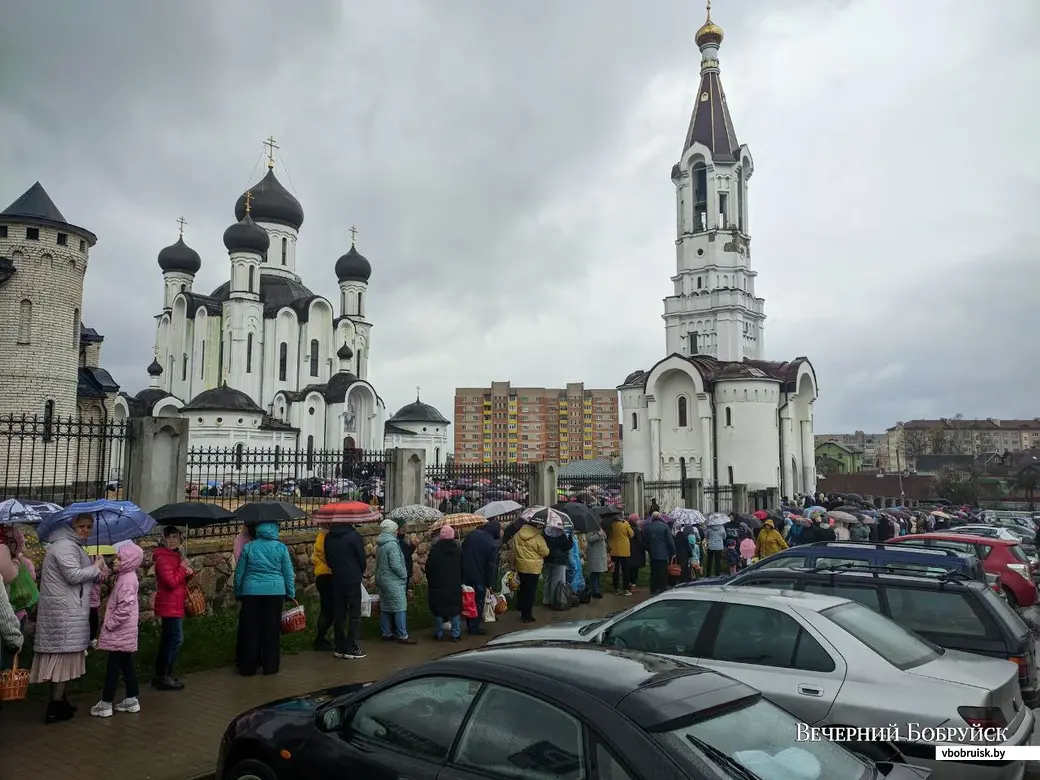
x=294, y=619
x=194, y=603
x=14, y=683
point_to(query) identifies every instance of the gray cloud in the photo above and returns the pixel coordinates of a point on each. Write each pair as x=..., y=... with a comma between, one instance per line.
x=507, y=167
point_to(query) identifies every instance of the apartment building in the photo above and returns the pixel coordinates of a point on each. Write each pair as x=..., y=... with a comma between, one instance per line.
x=874, y=446
x=531, y=424
x=959, y=436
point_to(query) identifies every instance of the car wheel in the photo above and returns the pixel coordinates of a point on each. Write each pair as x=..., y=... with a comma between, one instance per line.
x=251, y=769
x=1009, y=596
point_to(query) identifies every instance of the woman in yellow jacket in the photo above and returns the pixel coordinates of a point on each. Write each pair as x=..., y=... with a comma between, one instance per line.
x=769, y=541
x=619, y=539
x=529, y=551
x=323, y=582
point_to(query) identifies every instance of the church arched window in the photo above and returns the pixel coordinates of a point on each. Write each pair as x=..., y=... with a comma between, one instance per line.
x=285, y=250
x=184, y=366
x=343, y=303
x=310, y=453
x=314, y=357
x=249, y=352
x=25, y=321
x=437, y=456
x=635, y=421
x=48, y=420
x=729, y=416
x=202, y=360
x=75, y=328
x=252, y=278
x=283, y=361
x=730, y=470
x=359, y=362
x=682, y=411
x=238, y=456
x=277, y=457
x=361, y=304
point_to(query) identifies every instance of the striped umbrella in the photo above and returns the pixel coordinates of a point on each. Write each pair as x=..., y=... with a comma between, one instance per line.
x=458, y=521
x=542, y=516
x=348, y=513
x=14, y=511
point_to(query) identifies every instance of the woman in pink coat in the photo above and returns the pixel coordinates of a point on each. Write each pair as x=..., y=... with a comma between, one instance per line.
x=119, y=633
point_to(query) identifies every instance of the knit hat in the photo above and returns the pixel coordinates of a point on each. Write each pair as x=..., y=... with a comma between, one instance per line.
x=388, y=527
x=447, y=532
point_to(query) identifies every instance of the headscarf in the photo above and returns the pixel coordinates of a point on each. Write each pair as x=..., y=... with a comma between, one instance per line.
x=633, y=518
x=447, y=532
x=388, y=526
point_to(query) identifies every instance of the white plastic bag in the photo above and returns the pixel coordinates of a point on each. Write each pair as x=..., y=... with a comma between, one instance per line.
x=490, y=602
x=366, y=602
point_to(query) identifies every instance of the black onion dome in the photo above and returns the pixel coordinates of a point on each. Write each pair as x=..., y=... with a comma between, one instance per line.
x=419, y=412
x=223, y=399
x=345, y=353
x=353, y=266
x=271, y=202
x=180, y=257
x=155, y=369
x=246, y=236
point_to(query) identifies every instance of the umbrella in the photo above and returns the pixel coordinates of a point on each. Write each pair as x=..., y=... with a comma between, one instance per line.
x=943, y=515
x=114, y=521
x=853, y=497
x=843, y=517
x=192, y=514
x=582, y=518
x=541, y=515
x=459, y=522
x=414, y=513
x=498, y=508
x=683, y=516
x=43, y=508
x=760, y=515
x=348, y=513
x=94, y=550
x=717, y=518
x=256, y=512
x=14, y=511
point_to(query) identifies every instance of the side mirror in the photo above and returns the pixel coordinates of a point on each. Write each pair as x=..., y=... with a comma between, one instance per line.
x=331, y=719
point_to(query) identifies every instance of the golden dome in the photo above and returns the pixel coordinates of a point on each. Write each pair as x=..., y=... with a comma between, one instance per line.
x=710, y=33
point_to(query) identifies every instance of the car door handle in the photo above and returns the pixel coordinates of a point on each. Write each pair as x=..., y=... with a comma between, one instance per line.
x=810, y=690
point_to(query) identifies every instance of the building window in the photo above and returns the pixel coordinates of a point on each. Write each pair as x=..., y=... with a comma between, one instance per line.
x=682, y=411
x=170, y=363
x=252, y=278
x=75, y=328
x=285, y=250
x=32, y=234
x=359, y=362
x=729, y=470
x=25, y=322
x=238, y=457
x=220, y=358
x=63, y=239
x=694, y=346
x=184, y=367
x=635, y=421
x=723, y=210
x=361, y=304
x=3, y=231
x=82, y=245
x=729, y=416
x=740, y=200
x=437, y=456
x=202, y=362
x=698, y=283
x=310, y=453
x=277, y=457
x=283, y=361
x=249, y=351
x=343, y=303
x=314, y=357
x=48, y=421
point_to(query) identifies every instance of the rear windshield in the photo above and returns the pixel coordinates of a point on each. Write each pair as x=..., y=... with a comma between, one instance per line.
x=1018, y=553
x=1003, y=613
x=889, y=640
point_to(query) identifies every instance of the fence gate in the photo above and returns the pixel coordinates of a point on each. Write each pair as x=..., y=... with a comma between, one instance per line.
x=718, y=498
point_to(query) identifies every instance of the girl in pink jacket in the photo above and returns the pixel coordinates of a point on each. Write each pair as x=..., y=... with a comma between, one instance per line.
x=119, y=633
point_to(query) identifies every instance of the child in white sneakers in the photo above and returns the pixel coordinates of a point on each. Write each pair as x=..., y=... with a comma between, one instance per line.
x=119, y=633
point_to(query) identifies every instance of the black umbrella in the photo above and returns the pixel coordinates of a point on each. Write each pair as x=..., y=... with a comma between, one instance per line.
x=607, y=514
x=583, y=518
x=192, y=514
x=268, y=512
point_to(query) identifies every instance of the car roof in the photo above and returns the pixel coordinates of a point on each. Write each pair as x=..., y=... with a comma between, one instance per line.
x=990, y=540
x=885, y=576
x=609, y=674
x=749, y=594
x=866, y=548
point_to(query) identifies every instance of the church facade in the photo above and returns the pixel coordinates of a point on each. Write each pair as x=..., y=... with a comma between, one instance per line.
x=262, y=360
x=714, y=408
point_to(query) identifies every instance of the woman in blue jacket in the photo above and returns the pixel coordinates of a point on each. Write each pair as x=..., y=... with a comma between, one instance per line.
x=264, y=581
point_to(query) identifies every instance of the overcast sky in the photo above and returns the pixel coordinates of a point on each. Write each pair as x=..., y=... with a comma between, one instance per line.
x=507, y=166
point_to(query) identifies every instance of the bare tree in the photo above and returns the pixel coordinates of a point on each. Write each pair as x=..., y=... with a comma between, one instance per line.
x=915, y=442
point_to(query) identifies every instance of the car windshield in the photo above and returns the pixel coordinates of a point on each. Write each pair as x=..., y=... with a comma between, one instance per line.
x=889, y=640
x=762, y=740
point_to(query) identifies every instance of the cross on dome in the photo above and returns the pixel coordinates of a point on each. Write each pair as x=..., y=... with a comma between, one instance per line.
x=181, y=222
x=270, y=144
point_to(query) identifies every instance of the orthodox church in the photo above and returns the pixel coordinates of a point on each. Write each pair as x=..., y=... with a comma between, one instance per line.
x=714, y=409
x=262, y=360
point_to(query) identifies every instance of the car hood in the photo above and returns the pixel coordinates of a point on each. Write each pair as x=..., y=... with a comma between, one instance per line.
x=568, y=631
x=903, y=771
x=291, y=712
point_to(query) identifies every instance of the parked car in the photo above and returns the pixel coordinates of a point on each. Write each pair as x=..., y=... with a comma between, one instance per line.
x=544, y=711
x=827, y=660
x=954, y=613
x=1002, y=558
x=1010, y=533
x=821, y=554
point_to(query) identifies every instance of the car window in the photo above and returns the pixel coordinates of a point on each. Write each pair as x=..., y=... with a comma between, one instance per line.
x=783, y=562
x=1018, y=554
x=420, y=716
x=942, y=612
x=767, y=637
x=771, y=582
x=949, y=544
x=888, y=639
x=866, y=595
x=668, y=626
x=1004, y=613
x=848, y=563
x=608, y=767
x=512, y=734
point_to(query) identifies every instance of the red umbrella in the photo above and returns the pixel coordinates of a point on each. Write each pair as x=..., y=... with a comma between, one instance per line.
x=761, y=515
x=350, y=512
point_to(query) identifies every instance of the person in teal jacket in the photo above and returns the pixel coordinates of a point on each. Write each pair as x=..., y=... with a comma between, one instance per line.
x=392, y=581
x=264, y=581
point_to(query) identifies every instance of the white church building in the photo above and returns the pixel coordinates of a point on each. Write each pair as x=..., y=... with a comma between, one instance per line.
x=714, y=408
x=261, y=360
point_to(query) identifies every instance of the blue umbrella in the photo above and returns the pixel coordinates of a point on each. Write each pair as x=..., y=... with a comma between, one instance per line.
x=114, y=521
x=14, y=511
x=42, y=508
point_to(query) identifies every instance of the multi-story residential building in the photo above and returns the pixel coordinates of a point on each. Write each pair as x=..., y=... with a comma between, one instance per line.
x=873, y=446
x=530, y=424
x=959, y=436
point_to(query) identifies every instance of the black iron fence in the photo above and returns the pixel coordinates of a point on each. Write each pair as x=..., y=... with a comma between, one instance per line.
x=233, y=528
x=665, y=495
x=718, y=498
x=465, y=487
x=596, y=491
x=306, y=477
x=63, y=460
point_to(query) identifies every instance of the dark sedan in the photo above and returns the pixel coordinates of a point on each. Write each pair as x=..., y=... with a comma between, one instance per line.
x=545, y=711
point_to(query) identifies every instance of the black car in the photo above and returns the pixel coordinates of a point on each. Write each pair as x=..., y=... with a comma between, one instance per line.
x=544, y=710
x=951, y=611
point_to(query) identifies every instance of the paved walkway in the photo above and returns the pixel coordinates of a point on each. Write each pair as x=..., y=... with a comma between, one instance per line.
x=176, y=735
